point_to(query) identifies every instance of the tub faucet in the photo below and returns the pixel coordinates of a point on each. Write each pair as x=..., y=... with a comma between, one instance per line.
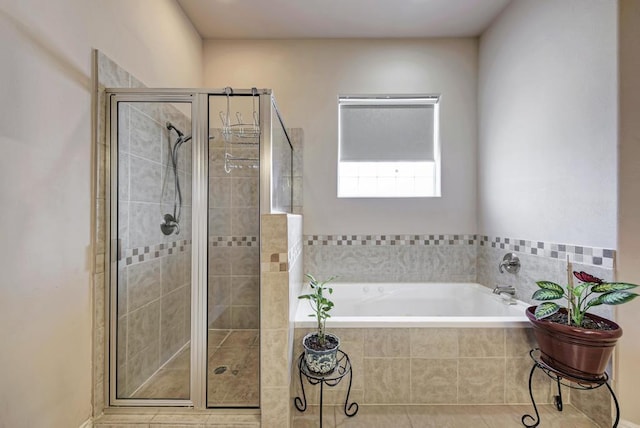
x=510, y=263
x=506, y=289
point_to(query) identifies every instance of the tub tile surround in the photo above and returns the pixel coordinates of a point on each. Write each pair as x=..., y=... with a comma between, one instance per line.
x=462, y=258
x=426, y=366
x=535, y=268
x=388, y=258
x=451, y=258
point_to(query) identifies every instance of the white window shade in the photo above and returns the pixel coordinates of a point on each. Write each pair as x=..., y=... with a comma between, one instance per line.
x=388, y=146
x=386, y=132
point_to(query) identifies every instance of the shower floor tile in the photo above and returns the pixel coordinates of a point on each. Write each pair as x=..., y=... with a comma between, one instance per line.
x=232, y=372
x=233, y=362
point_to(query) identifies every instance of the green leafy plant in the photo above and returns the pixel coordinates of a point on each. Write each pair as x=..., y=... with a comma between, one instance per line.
x=579, y=297
x=319, y=302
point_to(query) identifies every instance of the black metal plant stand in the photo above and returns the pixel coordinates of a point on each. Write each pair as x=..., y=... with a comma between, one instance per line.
x=343, y=368
x=570, y=381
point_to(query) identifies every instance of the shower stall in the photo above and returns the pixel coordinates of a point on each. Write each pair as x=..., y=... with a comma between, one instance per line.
x=190, y=173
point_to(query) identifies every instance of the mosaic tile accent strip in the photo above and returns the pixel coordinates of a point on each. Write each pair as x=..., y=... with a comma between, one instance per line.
x=278, y=262
x=581, y=254
x=133, y=256
x=384, y=240
x=233, y=241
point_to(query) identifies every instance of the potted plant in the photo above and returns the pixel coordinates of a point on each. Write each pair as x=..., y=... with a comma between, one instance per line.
x=572, y=340
x=320, y=348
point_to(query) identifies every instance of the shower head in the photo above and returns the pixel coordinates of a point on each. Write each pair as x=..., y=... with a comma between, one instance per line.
x=170, y=127
x=182, y=139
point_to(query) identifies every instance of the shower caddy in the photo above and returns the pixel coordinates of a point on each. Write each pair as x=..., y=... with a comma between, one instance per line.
x=241, y=134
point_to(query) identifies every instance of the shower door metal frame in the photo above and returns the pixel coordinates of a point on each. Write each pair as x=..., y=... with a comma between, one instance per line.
x=199, y=100
x=199, y=122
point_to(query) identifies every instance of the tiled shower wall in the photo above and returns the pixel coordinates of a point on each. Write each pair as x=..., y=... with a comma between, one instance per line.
x=109, y=75
x=234, y=253
x=234, y=246
x=154, y=271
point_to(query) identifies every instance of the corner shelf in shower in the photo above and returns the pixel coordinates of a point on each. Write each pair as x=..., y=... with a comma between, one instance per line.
x=231, y=162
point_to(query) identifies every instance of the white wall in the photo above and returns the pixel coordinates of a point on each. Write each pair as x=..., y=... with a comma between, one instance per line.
x=45, y=185
x=547, y=123
x=308, y=75
x=629, y=206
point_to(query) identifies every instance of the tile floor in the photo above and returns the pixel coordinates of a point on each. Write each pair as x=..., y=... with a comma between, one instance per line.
x=233, y=368
x=441, y=416
x=233, y=376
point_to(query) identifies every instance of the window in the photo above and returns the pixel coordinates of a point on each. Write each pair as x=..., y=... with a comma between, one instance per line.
x=388, y=146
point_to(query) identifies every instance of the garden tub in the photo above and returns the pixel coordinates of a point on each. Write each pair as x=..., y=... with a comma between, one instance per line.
x=462, y=305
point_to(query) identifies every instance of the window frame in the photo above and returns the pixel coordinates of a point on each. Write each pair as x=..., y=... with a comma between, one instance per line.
x=401, y=100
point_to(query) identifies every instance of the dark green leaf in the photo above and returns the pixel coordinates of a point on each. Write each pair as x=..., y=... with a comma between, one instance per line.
x=617, y=297
x=546, y=309
x=546, y=294
x=548, y=285
x=605, y=287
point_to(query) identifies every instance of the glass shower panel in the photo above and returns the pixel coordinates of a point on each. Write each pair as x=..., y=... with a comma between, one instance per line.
x=153, y=327
x=234, y=252
x=281, y=164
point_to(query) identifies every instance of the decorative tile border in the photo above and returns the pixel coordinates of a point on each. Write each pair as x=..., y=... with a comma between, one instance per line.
x=577, y=253
x=278, y=262
x=234, y=241
x=383, y=240
x=133, y=256
x=580, y=254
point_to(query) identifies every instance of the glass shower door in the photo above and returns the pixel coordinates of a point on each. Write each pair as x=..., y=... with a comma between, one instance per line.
x=152, y=309
x=234, y=252
x=188, y=180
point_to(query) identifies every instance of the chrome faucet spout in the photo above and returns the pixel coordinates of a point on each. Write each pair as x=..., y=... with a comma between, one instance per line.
x=506, y=289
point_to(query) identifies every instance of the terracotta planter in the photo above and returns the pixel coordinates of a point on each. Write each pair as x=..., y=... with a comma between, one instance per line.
x=321, y=361
x=579, y=352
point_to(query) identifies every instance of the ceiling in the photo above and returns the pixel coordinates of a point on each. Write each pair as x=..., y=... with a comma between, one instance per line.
x=284, y=19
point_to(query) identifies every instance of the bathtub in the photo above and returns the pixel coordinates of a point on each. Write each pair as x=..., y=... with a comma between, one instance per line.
x=401, y=305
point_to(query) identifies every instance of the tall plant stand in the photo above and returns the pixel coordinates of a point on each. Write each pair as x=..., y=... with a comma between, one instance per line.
x=343, y=368
x=561, y=378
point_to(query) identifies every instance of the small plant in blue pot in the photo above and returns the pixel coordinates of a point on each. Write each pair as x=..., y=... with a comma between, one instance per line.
x=320, y=348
